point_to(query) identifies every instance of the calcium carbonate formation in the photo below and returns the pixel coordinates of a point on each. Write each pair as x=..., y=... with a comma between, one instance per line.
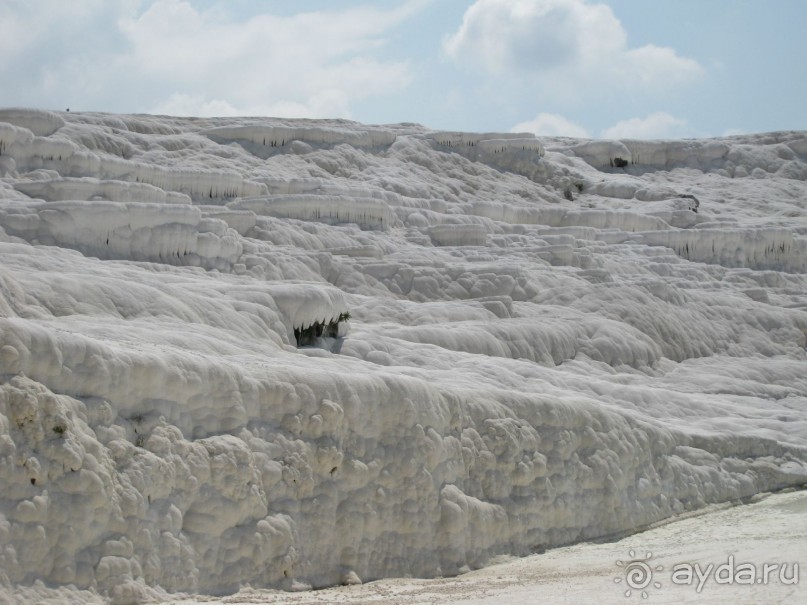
x=529, y=343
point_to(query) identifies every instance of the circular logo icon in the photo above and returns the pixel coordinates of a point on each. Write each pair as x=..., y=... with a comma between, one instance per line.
x=638, y=574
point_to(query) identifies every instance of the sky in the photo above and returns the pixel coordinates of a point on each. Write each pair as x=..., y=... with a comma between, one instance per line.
x=584, y=68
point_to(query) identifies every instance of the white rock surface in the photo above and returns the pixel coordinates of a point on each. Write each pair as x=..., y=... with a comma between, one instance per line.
x=711, y=570
x=522, y=371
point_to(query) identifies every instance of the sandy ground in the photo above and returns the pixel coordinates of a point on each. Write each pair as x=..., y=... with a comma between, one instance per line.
x=770, y=531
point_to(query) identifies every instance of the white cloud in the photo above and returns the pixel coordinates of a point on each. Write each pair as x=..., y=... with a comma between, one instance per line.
x=564, y=45
x=181, y=104
x=550, y=125
x=327, y=103
x=27, y=27
x=305, y=65
x=172, y=56
x=659, y=125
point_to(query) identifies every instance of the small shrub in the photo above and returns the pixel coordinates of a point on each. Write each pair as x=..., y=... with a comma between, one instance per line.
x=60, y=429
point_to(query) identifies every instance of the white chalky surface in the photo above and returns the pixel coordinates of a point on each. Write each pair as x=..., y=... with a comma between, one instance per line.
x=716, y=558
x=520, y=371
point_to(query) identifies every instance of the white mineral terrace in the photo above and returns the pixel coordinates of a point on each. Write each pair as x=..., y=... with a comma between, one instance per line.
x=549, y=341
